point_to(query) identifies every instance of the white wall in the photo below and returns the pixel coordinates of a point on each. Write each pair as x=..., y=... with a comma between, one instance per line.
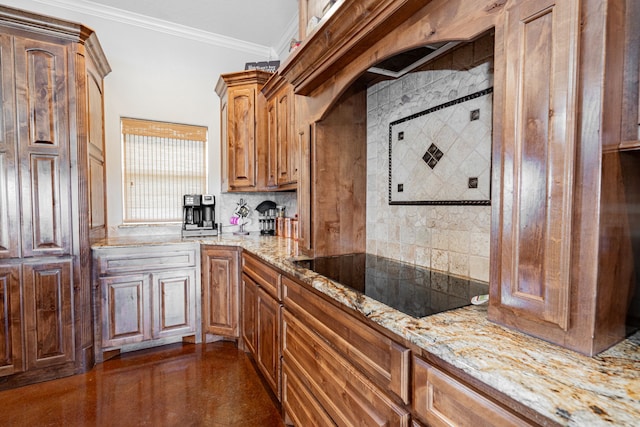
x=155, y=76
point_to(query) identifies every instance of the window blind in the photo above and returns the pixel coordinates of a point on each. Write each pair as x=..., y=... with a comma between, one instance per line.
x=161, y=162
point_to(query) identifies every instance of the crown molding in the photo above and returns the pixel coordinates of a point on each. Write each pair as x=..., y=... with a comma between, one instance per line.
x=160, y=25
x=291, y=32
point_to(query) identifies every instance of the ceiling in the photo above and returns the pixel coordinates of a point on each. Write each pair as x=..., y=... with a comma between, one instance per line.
x=263, y=22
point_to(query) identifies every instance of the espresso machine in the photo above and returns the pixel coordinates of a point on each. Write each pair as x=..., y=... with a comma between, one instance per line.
x=198, y=215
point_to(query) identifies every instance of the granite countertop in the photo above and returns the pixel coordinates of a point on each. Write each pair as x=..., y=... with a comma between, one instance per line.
x=564, y=386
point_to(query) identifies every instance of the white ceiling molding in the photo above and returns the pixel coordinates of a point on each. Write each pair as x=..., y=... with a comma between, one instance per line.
x=162, y=26
x=282, y=48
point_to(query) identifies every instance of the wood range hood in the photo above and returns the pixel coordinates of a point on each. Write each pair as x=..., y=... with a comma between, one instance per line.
x=565, y=113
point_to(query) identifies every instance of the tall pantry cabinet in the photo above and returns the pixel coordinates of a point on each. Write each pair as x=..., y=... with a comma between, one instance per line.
x=51, y=200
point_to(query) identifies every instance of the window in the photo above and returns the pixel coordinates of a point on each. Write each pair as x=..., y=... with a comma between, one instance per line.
x=161, y=162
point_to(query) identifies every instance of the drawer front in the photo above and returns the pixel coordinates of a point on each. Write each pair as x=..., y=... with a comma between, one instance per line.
x=133, y=260
x=441, y=400
x=263, y=275
x=301, y=408
x=348, y=396
x=385, y=361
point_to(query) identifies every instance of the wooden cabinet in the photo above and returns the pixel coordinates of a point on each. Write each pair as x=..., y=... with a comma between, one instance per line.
x=440, y=399
x=562, y=266
x=282, y=154
x=44, y=198
x=261, y=308
x=346, y=395
x=220, y=291
x=382, y=359
x=243, y=130
x=146, y=297
x=342, y=368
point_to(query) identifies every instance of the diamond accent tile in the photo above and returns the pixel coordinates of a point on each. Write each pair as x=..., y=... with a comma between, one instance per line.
x=432, y=156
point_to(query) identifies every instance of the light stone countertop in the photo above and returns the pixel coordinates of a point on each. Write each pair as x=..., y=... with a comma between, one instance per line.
x=564, y=386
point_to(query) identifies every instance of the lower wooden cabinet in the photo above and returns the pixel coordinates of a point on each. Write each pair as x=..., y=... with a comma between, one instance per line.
x=442, y=400
x=146, y=297
x=220, y=291
x=261, y=314
x=344, y=393
x=37, y=332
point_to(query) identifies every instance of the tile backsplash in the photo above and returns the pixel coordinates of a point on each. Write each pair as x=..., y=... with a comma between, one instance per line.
x=450, y=238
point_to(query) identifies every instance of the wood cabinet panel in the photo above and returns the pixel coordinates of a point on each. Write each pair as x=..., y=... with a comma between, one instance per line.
x=441, y=400
x=540, y=136
x=385, y=362
x=220, y=278
x=10, y=321
x=286, y=146
x=272, y=143
x=174, y=301
x=48, y=320
x=347, y=395
x=126, y=316
x=249, y=314
x=268, y=337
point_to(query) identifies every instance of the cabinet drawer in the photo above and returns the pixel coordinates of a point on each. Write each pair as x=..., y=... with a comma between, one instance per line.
x=128, y=260
x=300, y=406
x=263, y=275
x=441, y=400
x=384, y=361
x=348, y=396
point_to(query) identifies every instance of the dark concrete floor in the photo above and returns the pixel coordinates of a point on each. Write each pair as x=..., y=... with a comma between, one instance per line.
x=178, y=385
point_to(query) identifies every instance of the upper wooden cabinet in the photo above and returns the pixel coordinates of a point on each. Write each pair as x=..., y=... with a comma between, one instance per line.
x=243, y=124
x=282, y=145
x=51, y=75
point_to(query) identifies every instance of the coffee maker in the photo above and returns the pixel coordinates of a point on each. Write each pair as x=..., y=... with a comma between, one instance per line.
x=198, y=215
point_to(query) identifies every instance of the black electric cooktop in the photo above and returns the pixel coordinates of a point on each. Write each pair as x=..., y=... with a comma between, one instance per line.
x=413, y=290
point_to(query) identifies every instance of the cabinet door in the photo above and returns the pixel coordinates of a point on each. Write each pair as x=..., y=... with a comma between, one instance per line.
x=220, y=278
x=43, y=140
x=285, y=143
x=249, y=313
x=174, y=303
x=241, y=130
x=9, y=196
x=126, y=309
x=10, y=321
x=272, y=142
x=531, y=280
x=48, y=320
x=268, y=351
